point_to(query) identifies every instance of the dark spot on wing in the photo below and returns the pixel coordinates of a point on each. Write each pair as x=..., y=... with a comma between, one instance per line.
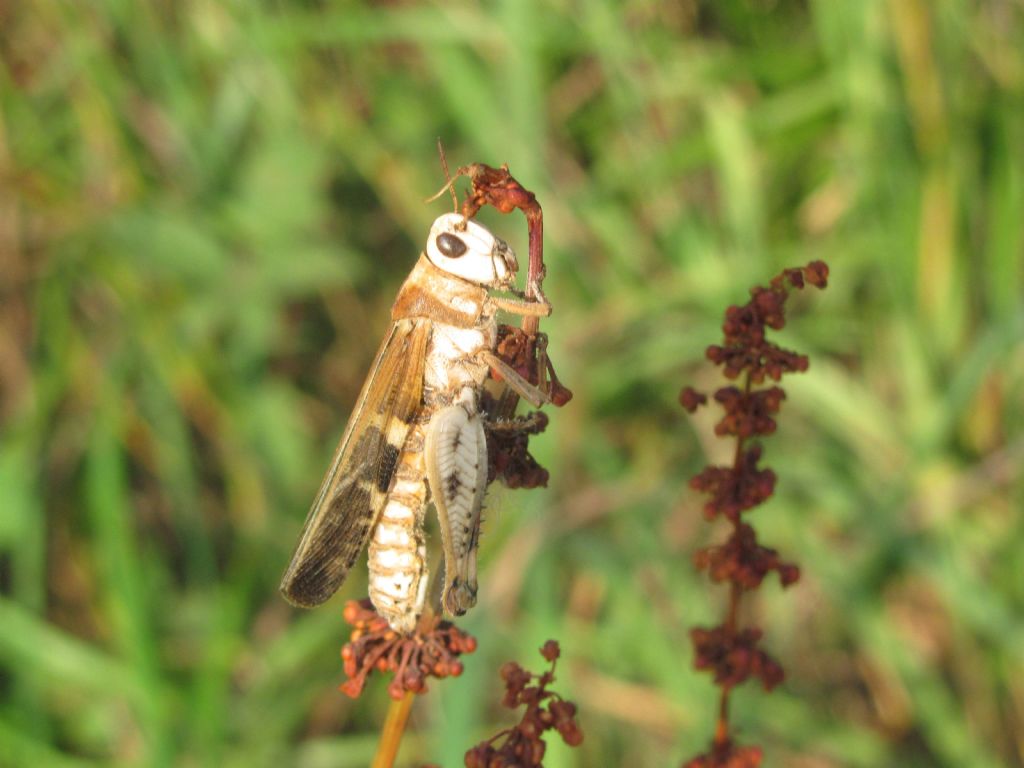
x=386, y=468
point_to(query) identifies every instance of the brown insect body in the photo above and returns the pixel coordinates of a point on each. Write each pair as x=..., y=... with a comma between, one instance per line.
x=417, y=433
x=460, y=328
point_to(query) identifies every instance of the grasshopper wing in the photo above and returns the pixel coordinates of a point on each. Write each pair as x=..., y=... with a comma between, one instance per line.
x=353, y=492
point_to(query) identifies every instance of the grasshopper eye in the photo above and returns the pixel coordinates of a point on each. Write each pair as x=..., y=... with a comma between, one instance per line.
x=450, y=245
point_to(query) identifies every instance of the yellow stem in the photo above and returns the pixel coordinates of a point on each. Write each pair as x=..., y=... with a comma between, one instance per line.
x=392, y=730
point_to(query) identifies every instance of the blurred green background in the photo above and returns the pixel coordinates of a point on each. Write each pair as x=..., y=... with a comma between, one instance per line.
x=206, y=209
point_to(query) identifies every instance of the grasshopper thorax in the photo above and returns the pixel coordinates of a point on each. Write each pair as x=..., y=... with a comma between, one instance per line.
x=467, y=250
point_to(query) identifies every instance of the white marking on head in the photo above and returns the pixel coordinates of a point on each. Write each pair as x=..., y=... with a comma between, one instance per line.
x=465, y=249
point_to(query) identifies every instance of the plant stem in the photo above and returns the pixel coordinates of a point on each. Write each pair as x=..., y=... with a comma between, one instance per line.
x=722, y=726
x=392, y=730
x=735, y=595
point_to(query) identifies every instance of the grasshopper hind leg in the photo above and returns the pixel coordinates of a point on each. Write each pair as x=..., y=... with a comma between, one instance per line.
x=456, y=458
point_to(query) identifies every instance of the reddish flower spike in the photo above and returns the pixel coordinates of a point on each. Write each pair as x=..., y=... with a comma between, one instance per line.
x=732, y=654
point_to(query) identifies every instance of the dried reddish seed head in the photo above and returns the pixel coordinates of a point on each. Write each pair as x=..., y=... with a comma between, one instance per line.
x=691, y=399
x=748, y=413
x=733, y=490
x=523, y=744
x=734, y=656
x=742, y=561
x=431, y=651
x=550, y=650
x=730, y=653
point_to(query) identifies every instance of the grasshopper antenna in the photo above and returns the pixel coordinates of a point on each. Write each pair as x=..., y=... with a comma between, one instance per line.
x=450, y=185
x=447, y=175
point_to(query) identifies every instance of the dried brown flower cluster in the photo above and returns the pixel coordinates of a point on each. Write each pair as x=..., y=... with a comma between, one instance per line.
x=433, y=650
x=746, y=350
x=509, y=458
x=525, y=348
x=522, y=746
x=733, y=654
x=527, y=354
x=508, y=450
x=741, y=560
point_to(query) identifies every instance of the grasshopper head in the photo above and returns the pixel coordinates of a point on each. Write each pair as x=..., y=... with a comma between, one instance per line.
x=465, y=249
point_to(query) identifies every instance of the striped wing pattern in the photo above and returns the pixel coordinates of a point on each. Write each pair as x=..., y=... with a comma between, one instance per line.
x=355, y=487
